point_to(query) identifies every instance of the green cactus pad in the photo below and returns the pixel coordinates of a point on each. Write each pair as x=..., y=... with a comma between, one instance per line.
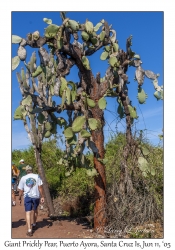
x=73, y=25
x=102, y=35
x=93, y=124
x=136, y=57
x=89, y=27
x=73, y=140
x=157, y=94
x=48, y=126
x=19, y=113
x=16, y=39
x=68, y=133
x=133, y=112
x=113, y=61
x=120, y=110
x=116, y=47
x=141, y=95
x=37, y=72
x=104, y=55
x=85, y=62
x=97, y=26
x=143, y=164
x=68, y=96
x=41, y=118
x=63, y=85
x=102, y=103
x=78, y=124
x=145, y=151
x=51, y=31
x=85, y=36
x=15, y=62
x=90, y=103
x=47, y=134
x=85, y=134
x=48, y=21
x=27, y=101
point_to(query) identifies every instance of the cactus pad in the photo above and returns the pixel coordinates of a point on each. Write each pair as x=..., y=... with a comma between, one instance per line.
x=141, y=95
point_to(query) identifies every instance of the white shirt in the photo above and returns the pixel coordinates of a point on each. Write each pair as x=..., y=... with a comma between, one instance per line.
x=29, y=184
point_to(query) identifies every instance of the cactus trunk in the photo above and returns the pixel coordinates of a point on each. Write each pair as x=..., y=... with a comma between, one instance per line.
x=100, y=179
x=45, y=185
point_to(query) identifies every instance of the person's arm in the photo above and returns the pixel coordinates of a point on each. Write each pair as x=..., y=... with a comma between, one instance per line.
x=20, y=195
x=41, y=193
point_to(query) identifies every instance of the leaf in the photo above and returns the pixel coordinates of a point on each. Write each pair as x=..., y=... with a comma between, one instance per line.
x=93, y=124
x=102, y=103
x=137, y=57
x=72, y=141
x=48, y=21
x=145, y=151
x=85, y=62
x=104, y=55
x=37, y=72
x=85, y=36
x=47, y=134
x=73, y=25
x=113, y=61
x=63, y=85
x=48, y=126
x=15, y=62
x=68, y=133
x=143, y=164
x=63, y=99
x=73, y=95
x=102, y=35
x=68, y=96
x=116, y=47
x=18, y=114
x=90, y=103
x=107, y=48
x=132, y=111
x=51, y=31
x=89, y=27
x=27, y=101
x=16, y=39
x=141, y=95
x=85, y=134
x=152, y=171
x=98, y=25
x=41, y=118
x=78, y=123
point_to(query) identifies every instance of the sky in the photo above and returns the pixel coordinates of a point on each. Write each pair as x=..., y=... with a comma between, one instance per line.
x=147, y=31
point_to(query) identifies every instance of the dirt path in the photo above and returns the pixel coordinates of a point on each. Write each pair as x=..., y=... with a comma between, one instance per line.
x=63, y=228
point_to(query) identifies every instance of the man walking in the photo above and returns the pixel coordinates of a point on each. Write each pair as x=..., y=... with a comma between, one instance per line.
x=32, y=186
x=22, y=168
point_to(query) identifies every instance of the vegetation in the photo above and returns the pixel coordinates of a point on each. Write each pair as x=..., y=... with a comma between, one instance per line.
x=69, y=44
x=146, y=203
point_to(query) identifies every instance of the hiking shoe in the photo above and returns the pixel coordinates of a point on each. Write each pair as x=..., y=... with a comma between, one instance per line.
x=29, y=234
x=13, y=203
x=34, y=227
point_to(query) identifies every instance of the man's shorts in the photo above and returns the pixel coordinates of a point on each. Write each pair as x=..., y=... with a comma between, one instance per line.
x=31, y=203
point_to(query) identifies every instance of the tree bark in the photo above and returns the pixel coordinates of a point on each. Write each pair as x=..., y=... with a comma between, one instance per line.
x=100, y=179
x=45, y=185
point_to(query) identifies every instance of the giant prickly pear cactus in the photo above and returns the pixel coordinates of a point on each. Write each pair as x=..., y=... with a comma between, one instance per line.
x=84, y=101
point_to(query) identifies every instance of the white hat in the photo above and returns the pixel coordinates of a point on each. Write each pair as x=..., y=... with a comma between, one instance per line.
x=21, y=160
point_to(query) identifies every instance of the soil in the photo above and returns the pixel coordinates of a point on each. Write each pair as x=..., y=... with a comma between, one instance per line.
x=64, y=227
